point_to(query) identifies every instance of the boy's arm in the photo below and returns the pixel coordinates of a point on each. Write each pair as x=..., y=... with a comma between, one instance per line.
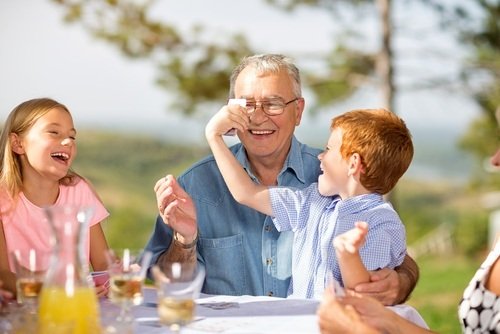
x=243, y=189
x=347, y=250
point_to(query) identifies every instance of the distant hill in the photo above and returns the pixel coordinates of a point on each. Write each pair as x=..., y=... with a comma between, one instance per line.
x=437, y=156
x=124, y=168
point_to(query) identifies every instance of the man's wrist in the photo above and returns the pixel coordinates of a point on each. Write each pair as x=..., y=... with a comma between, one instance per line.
x=406, y=285
x=185, y=245
x=408, y=275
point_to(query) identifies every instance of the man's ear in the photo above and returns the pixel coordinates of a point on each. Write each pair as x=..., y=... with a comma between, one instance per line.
x=16, y=144
x=299, y=111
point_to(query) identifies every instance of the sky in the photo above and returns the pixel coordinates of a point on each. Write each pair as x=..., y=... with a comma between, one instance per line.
x=40, y=55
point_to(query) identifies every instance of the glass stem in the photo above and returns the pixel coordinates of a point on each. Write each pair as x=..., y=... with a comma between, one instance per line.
x=175, y=328
x=125, y=314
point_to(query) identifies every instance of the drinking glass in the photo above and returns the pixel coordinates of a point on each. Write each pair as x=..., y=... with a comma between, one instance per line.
x=127, y=270
x=31, y=266
x=179, y=284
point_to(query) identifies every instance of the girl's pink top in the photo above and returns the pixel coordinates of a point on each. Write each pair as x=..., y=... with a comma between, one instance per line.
x=26, y=227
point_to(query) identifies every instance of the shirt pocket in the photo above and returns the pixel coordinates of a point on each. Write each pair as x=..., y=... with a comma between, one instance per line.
x=226, y=272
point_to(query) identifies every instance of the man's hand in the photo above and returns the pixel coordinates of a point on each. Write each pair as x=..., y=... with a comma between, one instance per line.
x=392, y=287
x=176, y=208
x=384, y=286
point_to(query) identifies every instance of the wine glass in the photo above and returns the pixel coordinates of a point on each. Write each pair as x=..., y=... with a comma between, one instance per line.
x=179, y=284
x=127, y=271
x=31, y=266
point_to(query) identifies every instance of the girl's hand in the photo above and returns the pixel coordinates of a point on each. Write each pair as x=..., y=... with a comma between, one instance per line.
x=5, y=297
x=102, y=290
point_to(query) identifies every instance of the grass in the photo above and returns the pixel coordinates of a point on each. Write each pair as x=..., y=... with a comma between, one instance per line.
x=439, y=290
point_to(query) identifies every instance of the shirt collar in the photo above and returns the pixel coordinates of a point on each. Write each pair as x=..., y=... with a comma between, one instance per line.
x=293, y=161
x=360, y=203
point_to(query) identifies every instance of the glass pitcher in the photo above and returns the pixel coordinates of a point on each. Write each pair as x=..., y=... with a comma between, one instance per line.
x=68, y=302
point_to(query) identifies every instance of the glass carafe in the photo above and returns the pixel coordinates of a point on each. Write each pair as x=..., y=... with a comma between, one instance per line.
x=68, y=302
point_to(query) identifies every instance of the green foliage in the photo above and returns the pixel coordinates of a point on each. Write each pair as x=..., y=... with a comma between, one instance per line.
x=483, y=35
x=423, y=206
x=129, y=226
x=482, y=140
x=347, y=69
x=440, y=288
x=194, y=65
x=481, y=134
x=124, y=169
x=471, y=232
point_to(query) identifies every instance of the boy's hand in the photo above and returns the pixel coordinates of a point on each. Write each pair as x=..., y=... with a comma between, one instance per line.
x=228, y=118
x=352, y=240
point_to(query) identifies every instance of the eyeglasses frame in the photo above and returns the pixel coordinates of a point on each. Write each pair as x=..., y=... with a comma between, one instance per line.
x=259, y=104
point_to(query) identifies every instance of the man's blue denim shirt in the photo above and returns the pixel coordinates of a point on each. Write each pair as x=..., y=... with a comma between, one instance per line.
x=241, y=250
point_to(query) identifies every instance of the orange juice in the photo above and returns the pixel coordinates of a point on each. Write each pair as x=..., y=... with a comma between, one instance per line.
x=58, y=308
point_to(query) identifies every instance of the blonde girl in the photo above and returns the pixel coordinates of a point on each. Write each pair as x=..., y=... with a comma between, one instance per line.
x=37, y=148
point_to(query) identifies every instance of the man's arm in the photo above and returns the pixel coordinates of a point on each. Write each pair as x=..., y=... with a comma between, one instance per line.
x=179, y=252
x=177, y=211
x=409, y=274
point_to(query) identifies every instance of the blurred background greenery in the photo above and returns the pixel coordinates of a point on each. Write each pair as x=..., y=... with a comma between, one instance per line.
x=124, y=169
x=383, y=47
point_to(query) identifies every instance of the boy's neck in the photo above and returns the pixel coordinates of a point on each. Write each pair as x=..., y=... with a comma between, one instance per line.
x=355, y=190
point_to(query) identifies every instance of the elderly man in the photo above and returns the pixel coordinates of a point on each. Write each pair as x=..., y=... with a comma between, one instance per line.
x=240, y=248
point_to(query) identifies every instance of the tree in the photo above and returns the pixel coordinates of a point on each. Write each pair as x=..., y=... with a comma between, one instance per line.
x=198, y=69
x=193, y=66
x=195, y=69
x=482, y=76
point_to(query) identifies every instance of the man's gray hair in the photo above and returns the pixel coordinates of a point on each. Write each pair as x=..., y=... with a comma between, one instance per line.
x=268, y=63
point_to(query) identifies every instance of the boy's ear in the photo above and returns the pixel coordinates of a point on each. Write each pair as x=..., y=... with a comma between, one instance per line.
x=355, y=164
x=16, y=144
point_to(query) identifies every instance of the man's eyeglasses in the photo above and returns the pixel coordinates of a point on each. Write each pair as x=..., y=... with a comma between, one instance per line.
x=270, y=107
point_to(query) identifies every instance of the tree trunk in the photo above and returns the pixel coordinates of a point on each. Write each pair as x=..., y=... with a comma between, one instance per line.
x=384, y=66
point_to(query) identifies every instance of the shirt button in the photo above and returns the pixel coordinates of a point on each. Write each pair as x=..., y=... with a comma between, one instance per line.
x=268, y=228
x=269, y=261
x=270, y=293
